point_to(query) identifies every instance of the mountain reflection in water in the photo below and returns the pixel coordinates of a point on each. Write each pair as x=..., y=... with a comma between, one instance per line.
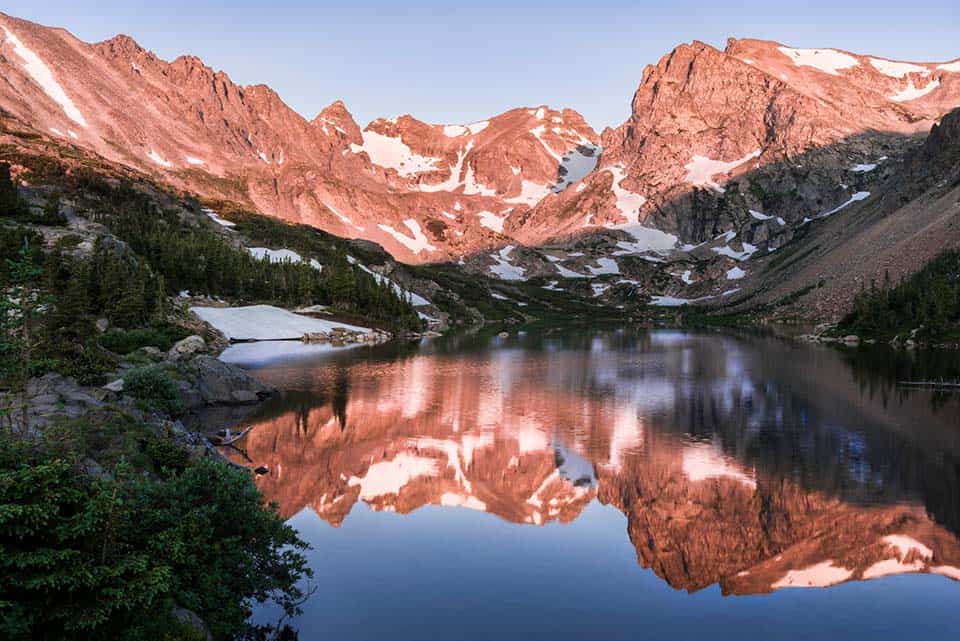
x=751, y=463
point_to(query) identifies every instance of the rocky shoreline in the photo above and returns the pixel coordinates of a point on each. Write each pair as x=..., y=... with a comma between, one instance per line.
x=203, y=382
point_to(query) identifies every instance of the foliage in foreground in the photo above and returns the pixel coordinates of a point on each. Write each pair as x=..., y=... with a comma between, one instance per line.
x=108, y=558
x=928, y=301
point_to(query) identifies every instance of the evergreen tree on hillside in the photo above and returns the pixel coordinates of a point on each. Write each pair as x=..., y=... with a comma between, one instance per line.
x=11, y=204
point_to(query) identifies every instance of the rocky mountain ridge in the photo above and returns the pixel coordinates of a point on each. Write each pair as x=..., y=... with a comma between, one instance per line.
x=727, y=155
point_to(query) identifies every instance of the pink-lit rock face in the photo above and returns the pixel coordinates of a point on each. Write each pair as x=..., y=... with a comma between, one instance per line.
x=432, y=192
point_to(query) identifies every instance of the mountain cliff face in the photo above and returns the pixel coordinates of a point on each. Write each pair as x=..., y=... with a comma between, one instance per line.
x=726, y=157
x=783, y=125
x=425, y=192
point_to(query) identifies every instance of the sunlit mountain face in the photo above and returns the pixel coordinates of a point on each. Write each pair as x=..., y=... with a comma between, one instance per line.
x=749, y=463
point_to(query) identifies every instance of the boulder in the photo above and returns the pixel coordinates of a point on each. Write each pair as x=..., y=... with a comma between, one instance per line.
x=220, y=383
x=243, y=396
x=115, y=386
x=102, y=325
x=187, y=347
x=190, y=618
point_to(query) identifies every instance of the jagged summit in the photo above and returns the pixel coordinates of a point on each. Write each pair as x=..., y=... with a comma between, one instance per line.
x=700, y=117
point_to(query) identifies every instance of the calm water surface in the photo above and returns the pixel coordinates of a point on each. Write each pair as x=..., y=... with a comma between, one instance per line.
x=619, y=485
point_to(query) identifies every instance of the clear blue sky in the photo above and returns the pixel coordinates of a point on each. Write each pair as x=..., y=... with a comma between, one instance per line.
x=457, y=61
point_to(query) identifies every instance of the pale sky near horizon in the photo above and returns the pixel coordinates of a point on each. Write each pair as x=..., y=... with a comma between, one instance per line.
x=459, y=62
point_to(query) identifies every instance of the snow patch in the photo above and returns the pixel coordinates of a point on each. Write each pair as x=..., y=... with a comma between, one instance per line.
x=193, y=161
x=472, y=187
x=417, y=243
x=860, y=195
x=265, y=323
x=735, y=274
x=343, y=218
x=820, y=575
x=389, y=477
x=889, y=567
x=538, y=134
x=281, y=255
x=828, y=61
x=393, y=153
x=863, y=168
x=451, y=499
x=160, y=160
x=906, y=544
x=605, y=266
x=628, y=202
x=41, y=74
x=748, y=251
x=704, y=461
x=491, y=221
x=953, y=67
x=896, y=69
x=701, y=170
x=530, y=193
x=568, y=273
x=504, y=270
x=911, y=92
x=215, y=218
x=576, y=164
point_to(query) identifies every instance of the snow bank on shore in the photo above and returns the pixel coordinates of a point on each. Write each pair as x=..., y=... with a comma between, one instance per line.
x=266, y=323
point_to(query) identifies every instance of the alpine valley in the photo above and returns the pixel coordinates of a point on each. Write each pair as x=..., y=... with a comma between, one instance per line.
x=758, y=178
x=264, y=376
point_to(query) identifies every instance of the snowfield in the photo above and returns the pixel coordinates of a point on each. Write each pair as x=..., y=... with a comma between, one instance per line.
x=828, y=61
x=911, y=92
x=628, y=202
x=265, y=323
x=735, y=273
x=215, y=218
x=504, y=269
x=577, y=164
x=491, y=221
x=393, y=153
x=41, y=74
x=605, y=266
x=416, y=244
x=897, y=69
x=820, y=575
x=701, y=170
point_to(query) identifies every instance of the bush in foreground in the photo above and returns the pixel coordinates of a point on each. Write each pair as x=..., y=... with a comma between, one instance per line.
x=109, y=558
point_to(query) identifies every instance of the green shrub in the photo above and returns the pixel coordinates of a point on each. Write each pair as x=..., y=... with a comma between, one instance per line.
x=88, y=364
x=120, y=341
x=154, y=389
x=164, y=454
x=98, y=559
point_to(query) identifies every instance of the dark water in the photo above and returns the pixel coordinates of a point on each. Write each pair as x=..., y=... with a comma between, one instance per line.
x=620, y=485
